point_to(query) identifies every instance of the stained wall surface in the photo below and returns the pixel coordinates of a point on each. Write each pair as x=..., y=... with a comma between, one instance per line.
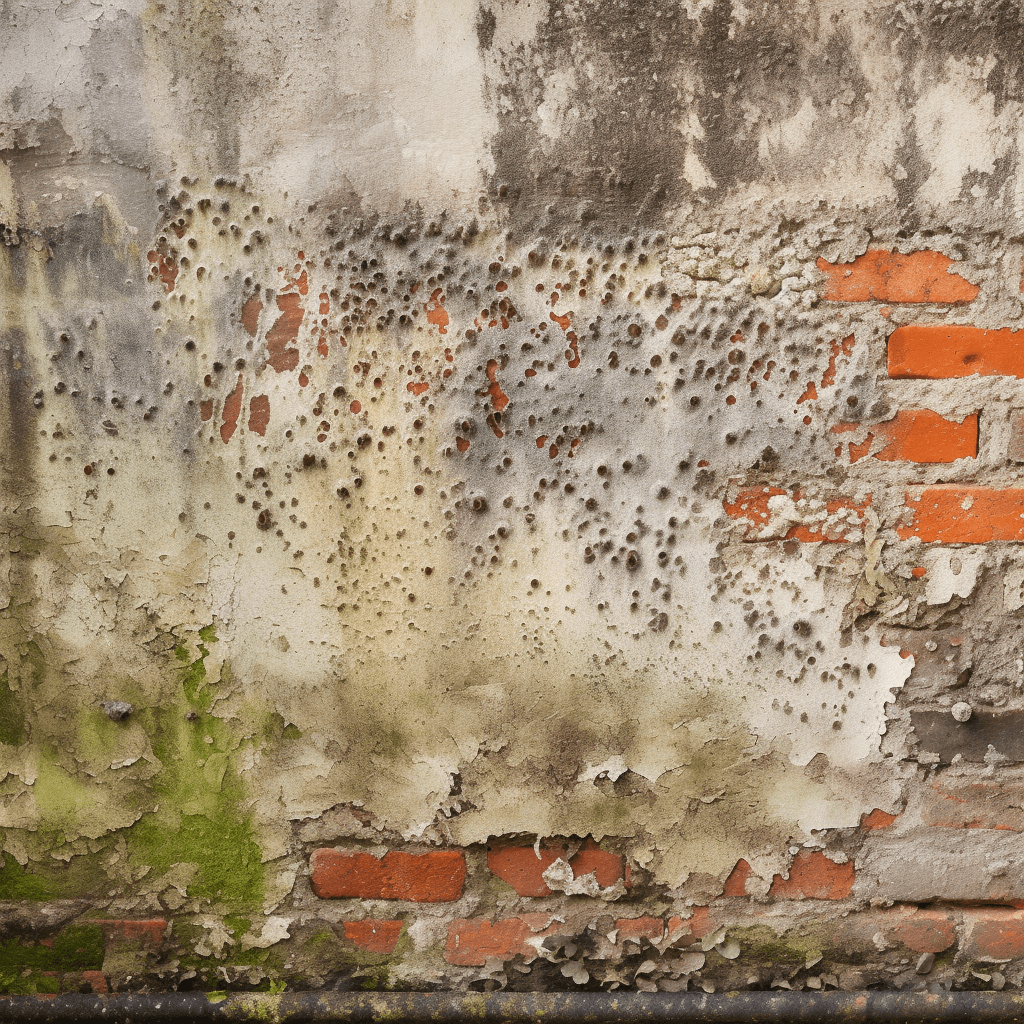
x=511, y=494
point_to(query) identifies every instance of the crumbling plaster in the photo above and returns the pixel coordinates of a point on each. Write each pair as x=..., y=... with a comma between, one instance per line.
x=509, y=602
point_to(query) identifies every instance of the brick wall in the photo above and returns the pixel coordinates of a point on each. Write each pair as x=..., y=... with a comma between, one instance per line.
x=505, y=496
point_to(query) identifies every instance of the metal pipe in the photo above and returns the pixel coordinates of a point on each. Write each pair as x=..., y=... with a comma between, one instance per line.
x=774, y=1007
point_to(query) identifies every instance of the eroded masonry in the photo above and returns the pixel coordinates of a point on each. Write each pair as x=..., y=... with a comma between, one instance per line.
x=511, y=495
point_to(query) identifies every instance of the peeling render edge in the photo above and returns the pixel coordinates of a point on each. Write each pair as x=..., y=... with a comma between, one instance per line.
x=296, y=1008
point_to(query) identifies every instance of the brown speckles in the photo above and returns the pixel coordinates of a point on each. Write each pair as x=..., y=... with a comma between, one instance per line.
x=462, y=444
x=436, y=313
x=572, y=353
x=164, y=268
x=206, y=409
x=232, y=409
x=498, y=397
x=259, y=414
x=355, y=407
x=417, y=388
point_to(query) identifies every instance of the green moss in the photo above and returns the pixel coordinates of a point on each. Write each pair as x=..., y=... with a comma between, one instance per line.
x=761, y=945
x=27, y=983
x=77, y=948
x=224, y=852
x=199, y=821
x=193, y=673
x=16, y=883
x=13, y=729
x=375, y=978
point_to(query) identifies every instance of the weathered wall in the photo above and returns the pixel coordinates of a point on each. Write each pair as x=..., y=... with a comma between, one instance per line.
x=571, y=444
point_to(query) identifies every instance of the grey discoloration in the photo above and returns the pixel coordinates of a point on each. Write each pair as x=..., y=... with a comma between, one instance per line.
x=981, y=738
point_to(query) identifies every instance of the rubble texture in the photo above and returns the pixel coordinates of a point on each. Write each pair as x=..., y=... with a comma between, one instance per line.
x=517, y=494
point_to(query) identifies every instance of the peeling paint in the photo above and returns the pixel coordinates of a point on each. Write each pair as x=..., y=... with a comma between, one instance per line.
x=487, y=427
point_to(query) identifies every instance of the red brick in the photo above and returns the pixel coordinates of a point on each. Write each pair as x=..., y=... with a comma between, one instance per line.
x=940, y=352
x=925, y=931
x=684, y=930
x=640, y=928
x=98, y=981
x=896, y=277
x=919, y=931
x=421, y=877
x=812, y=876
x=523, y=869
x=877, y=819
x=752, y=504
x=965, y=515
x=474, y=941
x=961, y=803
x=995, y=933
x=917, y=435
x=374, y=936
x=149, y=931
x=736, y=883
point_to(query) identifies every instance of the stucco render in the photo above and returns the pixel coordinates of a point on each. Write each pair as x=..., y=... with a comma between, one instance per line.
x=456, y=426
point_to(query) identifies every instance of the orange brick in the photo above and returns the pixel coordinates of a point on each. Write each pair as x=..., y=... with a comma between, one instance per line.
x=940, y=352
x=877, y=819
x=374, y=936
x=523, y=868
x=640, y=928
x=98, y=981
x=421, y=877
x=996, y=933
x=736, y=883
x=917, y=435
x=474, y=941
x=151, y=931
x=752, y=504
x=896, y=277
x=925, y=931
x=965, y=515
x=812, y=876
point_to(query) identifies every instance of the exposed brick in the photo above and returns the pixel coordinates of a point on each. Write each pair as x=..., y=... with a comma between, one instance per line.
x=736, y=883
x=916, y=435
x=640, y=928
x=776, y=514
x=422, y=877
x=994, y=932
x=959, y=802
x=965, y=515
x=925, y=931
x=474, y=941
x=938, y=732
x=920, y=931
x=939, y=352
x=374, y=936
x=877, y=819
x=149, y=931
x=98, y=981
x=896, y=277
x=812, y=876
x=523, y=867
x=696, y=926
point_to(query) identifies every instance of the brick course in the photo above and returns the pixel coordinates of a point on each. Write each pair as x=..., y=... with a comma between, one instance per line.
x=419, y=877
